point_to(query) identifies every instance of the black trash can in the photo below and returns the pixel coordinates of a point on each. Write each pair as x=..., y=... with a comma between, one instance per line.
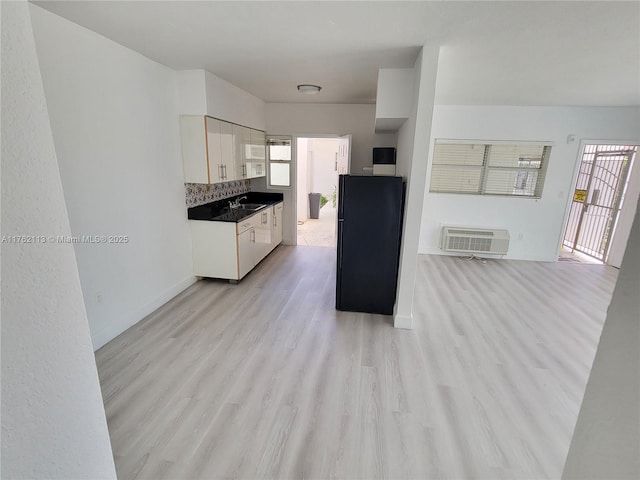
x=314, y=205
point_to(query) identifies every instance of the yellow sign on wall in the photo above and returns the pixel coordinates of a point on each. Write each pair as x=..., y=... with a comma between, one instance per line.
x=580, y=196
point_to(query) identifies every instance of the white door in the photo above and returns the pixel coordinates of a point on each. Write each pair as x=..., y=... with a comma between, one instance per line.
x=239, y=153
x=344, y=155
x=245, y=252
x=262, y=236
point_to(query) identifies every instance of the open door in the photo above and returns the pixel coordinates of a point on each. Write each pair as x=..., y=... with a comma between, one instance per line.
x=598, y=199
x=320, y=160
x=343, y=160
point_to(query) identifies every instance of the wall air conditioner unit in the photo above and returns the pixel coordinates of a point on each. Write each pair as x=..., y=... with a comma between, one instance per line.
x=475, y=240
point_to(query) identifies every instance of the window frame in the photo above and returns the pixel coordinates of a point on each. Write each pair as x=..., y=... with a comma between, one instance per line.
x=289, y=162
x=485, y=168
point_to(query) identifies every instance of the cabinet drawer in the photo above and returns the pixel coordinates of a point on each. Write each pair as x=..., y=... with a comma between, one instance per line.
x=245, y=225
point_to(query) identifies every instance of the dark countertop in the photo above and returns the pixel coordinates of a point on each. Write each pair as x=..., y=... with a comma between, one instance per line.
x=219, y=210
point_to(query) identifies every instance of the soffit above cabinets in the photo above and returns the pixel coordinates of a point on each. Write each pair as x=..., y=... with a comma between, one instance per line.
x=394, y=100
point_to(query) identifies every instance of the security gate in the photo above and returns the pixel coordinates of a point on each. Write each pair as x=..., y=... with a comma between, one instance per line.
x=598, y=198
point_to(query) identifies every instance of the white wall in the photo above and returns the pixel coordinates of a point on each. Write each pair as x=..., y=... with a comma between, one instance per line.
x=230, y=103
x=324, y=177
x=53, y=420
x=406, y=134
x=394, y=97
x=333, y=119
x=302, y=179
x=413, y=146
x=115, y=127
x=191, y=90
x=606, y=440
x=202, y=93
x=318, y=119
x=626, y=216
x=536, y=226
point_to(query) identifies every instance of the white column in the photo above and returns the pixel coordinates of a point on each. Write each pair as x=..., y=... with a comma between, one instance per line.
x=53, y=419
x=412, y=153
x=606, y=441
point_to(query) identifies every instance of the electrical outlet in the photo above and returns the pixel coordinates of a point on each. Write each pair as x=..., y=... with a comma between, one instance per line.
x=99, y=297
x=520, y=236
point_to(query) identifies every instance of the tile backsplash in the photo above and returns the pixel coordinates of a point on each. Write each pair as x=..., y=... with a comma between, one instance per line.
x=199, y=194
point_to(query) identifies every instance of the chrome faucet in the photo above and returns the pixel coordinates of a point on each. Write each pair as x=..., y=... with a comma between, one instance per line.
x=236, y=202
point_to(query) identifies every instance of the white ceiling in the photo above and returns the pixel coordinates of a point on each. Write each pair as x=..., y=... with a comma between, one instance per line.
x=499, y=53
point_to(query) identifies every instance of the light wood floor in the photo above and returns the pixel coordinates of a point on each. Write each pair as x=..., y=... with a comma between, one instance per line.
x=266, y=380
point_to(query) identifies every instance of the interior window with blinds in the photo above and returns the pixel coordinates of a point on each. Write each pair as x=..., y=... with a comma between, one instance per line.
x=511, y=169
x=279, y=158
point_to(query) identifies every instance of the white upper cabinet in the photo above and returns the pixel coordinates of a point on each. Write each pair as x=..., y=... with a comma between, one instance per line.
x=193, y=132
x=242, y=140
x=227, y=150
x=215, y=151
x=220, y=149
x=394, y=98
x=258, y=152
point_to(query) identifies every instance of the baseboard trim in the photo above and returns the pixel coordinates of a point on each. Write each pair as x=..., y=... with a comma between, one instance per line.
x=103, y=337
x=403, y=321
x=509, y=256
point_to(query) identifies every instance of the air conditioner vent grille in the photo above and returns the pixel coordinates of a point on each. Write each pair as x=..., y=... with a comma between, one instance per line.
x=470, y=232
x=469, y=244
x=491, y=241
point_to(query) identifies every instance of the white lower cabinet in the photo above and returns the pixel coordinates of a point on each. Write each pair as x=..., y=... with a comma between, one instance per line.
x=214, y=247
x=231, y=250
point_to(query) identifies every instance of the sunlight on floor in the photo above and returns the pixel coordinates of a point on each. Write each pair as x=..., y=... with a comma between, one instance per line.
x=320, y=232
x=566, y=255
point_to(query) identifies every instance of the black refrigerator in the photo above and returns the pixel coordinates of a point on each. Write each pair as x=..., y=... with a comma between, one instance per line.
x=370, y=211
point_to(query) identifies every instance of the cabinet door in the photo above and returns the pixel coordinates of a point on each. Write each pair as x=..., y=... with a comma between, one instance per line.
x=262, y=227
x=258, y=151
x=194, y=148
x=214, y=150
x=245, y=151
x=227, y=148
x=246, y=259
x=238, y=153
x=276, y=237
x=214, y=249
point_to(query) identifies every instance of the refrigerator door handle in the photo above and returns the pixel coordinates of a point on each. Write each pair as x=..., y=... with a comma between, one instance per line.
x=341, y=184
x=340, y=226
x=340, y=230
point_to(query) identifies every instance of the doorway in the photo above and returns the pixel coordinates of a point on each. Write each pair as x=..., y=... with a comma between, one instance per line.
x=320, y=160
x=598, y=199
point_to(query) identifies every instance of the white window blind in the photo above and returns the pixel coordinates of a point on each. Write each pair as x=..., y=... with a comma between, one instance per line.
x=511, y=169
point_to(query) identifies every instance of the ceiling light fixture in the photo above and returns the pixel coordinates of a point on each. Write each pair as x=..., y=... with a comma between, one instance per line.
x=309, y=89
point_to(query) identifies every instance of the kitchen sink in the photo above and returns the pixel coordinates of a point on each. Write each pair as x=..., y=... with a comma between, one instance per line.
x=252, y=207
